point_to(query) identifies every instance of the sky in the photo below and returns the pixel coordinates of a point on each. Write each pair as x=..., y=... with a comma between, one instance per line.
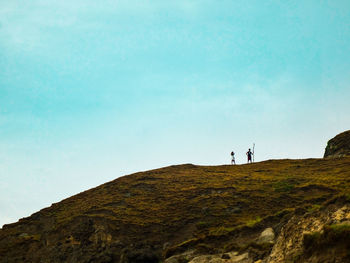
x=93, y=90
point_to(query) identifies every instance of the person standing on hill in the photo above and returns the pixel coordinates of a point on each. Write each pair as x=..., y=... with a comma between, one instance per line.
x=233, y=158
x=249, y=155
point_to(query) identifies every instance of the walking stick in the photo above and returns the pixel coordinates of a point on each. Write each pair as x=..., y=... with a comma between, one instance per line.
x=253, y=151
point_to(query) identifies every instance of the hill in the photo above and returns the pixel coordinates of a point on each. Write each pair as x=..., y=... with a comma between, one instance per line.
x=272, y=211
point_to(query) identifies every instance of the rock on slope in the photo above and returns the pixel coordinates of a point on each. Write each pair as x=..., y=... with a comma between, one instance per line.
x=338, y=146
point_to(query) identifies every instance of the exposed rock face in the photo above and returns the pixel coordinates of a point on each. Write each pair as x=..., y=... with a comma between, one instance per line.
x=339, y=146
x=290, y=243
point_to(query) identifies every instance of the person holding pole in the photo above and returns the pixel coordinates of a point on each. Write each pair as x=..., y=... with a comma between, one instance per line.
x=249, y=155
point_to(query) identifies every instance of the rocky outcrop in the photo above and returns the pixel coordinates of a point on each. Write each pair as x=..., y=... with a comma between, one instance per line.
x=339, y=146
x=291, y=246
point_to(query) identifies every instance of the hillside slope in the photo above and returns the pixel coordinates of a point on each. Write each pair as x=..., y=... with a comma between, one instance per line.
x=168, y=212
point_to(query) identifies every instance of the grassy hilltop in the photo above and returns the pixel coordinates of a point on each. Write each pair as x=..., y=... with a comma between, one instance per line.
x=149, y=216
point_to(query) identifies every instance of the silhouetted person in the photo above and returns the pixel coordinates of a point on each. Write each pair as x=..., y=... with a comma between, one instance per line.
x=249, y=155
x=233, y=158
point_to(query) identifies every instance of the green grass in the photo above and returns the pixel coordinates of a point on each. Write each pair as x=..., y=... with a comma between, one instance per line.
x=253, y=222
x=283, y=185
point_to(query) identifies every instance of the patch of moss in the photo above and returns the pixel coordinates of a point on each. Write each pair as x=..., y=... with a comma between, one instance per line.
x=253, y=222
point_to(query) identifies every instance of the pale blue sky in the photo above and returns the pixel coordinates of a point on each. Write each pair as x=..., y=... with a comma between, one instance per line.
x=92, y=90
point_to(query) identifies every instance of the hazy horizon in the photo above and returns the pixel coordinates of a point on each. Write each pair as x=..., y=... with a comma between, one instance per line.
x=90, y=91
